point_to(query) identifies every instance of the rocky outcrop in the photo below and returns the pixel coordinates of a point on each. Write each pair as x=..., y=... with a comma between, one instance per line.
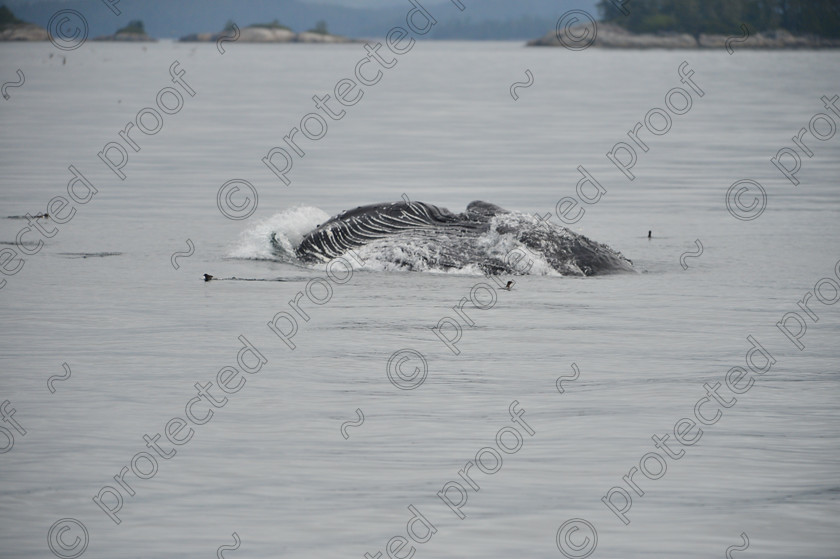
x=126, y=37
x=23, y=32
x=609, y=35
x=268, y=35
x=612, y=36
x=309, y=37
x=779, y=39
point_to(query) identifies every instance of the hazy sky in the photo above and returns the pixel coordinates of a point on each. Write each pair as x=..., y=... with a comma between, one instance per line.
x=349, y=3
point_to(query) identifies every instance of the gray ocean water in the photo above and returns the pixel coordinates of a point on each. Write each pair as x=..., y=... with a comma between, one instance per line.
x=599, y=365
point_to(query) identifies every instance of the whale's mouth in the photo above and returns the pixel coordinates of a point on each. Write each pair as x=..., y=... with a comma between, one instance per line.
x=417, y=236
x=366, y=224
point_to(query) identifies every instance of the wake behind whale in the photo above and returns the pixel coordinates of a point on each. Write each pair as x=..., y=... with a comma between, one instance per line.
x=420, y=236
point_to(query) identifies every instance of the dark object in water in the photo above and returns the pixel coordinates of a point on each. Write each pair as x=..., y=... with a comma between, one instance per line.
x=417, y=235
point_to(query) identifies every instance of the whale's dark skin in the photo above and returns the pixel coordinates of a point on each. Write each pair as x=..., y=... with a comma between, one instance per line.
x=441, y=239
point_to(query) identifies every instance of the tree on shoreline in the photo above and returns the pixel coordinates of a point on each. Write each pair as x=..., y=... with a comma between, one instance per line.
x=320, y=28
x=134, y=26
x=7, y=17
x=273, y=25
x=818, y=17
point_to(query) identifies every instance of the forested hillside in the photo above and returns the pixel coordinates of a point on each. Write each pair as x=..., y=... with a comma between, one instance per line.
x=819, y=17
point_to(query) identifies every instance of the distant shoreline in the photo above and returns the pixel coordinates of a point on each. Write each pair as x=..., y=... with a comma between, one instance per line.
x=611, y=36
x=23, y=32
x=262, y=34
x=30, y=32
x=608, y=36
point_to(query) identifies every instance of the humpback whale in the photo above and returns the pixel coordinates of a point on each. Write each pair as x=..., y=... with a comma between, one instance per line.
x=418, y=236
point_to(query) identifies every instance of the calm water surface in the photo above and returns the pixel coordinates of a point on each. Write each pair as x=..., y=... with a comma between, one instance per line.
x=271, y=465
